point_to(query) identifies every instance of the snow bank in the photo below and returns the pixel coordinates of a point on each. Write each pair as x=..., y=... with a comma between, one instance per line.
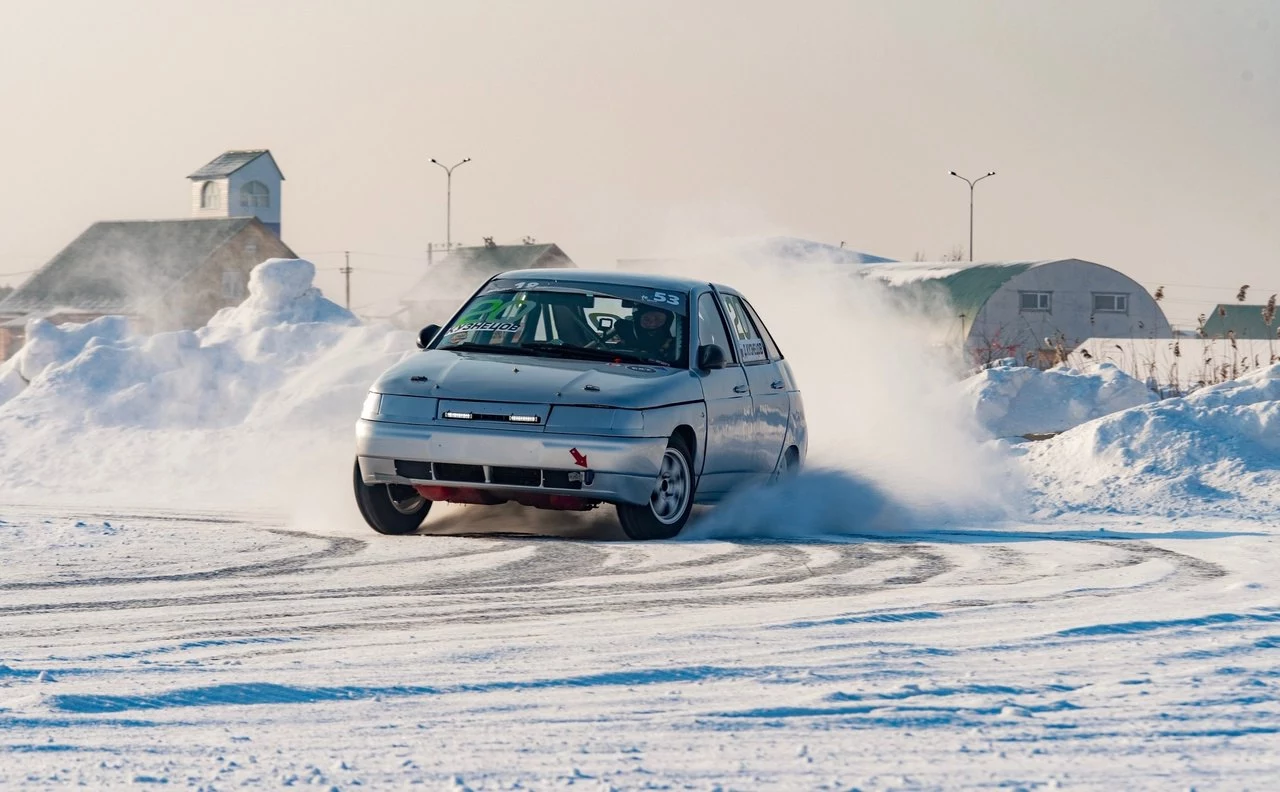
x=97, y=374
x=1217, y=449
x=271, y=384
x=50, y=345
x=1012, y=401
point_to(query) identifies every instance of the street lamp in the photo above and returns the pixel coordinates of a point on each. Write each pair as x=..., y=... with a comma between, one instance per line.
x=971, y=184
x=448, y=200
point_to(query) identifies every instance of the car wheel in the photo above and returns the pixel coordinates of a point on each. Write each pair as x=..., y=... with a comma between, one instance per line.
x=390, y=508
x=791, y=462
x=671, y=501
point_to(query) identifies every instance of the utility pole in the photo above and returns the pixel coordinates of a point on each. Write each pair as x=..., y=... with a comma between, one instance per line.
x=432, y=249
x=448, y=199
x=971, y=185
x=347, y=271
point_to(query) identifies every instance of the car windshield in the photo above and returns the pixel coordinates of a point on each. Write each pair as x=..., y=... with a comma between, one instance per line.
x=584, y=321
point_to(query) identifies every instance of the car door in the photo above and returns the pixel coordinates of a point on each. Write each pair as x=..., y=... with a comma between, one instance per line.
x=770, y=400
x=729, y=457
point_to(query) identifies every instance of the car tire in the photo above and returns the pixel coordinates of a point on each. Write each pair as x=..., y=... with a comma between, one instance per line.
x=791, y=463
x=671, y=502
x=395, y=509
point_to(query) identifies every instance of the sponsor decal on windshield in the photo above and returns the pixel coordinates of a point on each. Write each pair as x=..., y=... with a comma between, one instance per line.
x=494, y=327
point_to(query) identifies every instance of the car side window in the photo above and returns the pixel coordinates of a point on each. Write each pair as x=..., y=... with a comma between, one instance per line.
x=750, y=347
x=774, y=352
x=711, y=329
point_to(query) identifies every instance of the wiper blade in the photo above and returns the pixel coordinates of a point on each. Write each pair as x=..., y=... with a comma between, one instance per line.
x=491, y=349
x=587, y=353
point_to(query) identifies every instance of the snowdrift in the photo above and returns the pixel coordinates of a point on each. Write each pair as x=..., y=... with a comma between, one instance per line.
x=1217, y=449
x=1013, y=401
x=273, y=383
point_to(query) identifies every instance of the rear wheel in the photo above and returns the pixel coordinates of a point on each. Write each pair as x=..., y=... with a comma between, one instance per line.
x=671, y=501
x=791, y=462
x=390, y=508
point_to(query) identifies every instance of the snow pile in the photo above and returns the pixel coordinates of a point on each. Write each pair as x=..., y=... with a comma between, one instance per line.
x=50, y=345
x=1013, y=401
x=280, y=293
x=97, y=374
x=1217, y=449
x=218, y=408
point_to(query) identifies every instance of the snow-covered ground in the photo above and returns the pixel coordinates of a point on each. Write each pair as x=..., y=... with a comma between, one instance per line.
x=189, y=598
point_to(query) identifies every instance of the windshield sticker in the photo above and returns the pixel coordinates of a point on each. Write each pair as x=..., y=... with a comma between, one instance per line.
x=499, y=292
x=664, y=298
x=493, y=327
x=751, y=350
x=495, y=310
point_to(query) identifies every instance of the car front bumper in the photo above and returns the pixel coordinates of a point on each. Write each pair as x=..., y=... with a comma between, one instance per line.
x=612, y=469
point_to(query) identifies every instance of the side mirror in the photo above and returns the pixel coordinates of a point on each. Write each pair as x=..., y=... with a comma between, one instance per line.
x=710, y=357
x=426, y=334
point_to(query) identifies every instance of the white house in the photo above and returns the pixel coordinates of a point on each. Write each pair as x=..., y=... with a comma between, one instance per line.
x=239, y=184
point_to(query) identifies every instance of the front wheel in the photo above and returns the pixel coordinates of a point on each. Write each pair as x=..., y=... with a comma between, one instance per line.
x=669, y=504
x=390, y=508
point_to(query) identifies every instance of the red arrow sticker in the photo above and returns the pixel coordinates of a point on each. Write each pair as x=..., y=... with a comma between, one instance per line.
x=579, y=458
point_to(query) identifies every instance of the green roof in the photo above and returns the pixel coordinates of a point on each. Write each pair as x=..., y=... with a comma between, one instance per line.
x=1245, y=320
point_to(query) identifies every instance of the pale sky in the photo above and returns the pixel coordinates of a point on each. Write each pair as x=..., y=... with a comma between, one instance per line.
x=1141, y=135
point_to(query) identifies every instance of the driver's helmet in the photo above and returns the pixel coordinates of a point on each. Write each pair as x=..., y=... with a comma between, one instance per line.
x=650, y=321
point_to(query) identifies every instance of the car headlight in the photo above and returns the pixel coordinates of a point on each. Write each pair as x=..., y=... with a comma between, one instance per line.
x=372, y=403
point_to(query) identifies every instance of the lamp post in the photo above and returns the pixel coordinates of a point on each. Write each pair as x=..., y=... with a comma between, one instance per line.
x=448, y=200
x=971, y=184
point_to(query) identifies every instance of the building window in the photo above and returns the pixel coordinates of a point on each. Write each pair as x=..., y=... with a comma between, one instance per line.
x=210, y=195
x=1111, y=303
x=255, y=195
x=232, y=285
x=1035, y=301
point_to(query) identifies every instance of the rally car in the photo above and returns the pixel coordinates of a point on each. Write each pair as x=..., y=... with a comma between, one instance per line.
x=567, y=389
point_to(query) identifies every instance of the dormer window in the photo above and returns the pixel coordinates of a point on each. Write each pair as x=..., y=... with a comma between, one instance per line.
x=255, y=195
x=210, y=195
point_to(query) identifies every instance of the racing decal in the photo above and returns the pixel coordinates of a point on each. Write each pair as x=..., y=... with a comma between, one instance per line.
x=642, y=369
x=496, y=327
x=579, y=458
x=663, y=298
x=494, y=310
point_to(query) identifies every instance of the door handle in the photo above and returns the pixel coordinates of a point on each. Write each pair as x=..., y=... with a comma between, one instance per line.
x=778, y=385
x=740, y=388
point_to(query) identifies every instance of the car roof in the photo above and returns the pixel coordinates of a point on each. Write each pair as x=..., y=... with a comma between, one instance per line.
x=610, y=277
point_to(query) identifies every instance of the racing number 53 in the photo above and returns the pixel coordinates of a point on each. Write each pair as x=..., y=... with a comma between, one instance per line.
x=662, y=297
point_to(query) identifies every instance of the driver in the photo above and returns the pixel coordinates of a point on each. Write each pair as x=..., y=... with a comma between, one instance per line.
x=650, y=332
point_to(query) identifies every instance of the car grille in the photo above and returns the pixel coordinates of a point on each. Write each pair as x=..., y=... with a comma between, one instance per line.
x=449, y=472
x=501, y=476
x=413, y=470
x=516, y=477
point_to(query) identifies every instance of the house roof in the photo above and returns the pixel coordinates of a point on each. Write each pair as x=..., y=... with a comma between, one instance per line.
x=968, y=285
x=1244, y=320
x=463, y=270
x=115, y=266
x=229, y=162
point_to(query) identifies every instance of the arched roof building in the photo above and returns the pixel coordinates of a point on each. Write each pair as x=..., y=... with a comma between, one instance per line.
x=1030, y=310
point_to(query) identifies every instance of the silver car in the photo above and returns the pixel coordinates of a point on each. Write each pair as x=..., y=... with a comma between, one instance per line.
x=566, y=389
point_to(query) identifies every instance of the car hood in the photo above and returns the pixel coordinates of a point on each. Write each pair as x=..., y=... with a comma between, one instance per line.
x=517, y=378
